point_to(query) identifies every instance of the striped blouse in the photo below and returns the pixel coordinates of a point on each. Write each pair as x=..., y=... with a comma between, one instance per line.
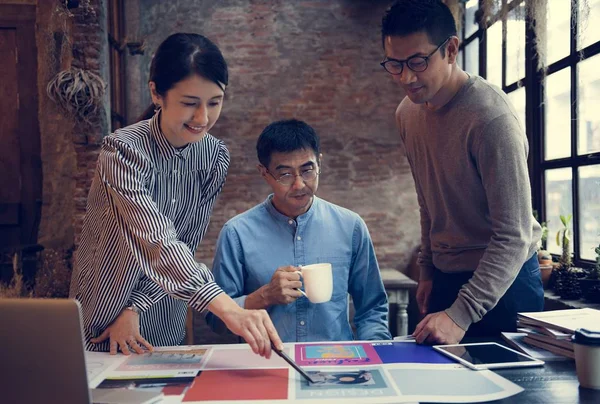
x=148, y=208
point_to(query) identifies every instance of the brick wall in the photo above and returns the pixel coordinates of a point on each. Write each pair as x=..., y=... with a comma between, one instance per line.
x=312, y=60
x=74, y=38
x=90, y=52
x=69, y=149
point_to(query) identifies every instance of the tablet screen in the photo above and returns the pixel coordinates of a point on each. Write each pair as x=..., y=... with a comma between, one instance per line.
x=485, y=354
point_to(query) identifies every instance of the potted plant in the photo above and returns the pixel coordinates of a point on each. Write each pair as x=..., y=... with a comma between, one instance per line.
x=590, y=285
x=566, y=283
x=544, y=257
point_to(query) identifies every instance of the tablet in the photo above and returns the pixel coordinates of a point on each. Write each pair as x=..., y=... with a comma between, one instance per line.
x=487, y=355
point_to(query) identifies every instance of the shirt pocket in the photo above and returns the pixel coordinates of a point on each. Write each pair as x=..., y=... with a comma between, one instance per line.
x=340, y=267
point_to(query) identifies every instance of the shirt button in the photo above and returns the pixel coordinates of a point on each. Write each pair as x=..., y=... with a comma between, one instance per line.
x=302, y=322
x=298, y=238
x=290, y=221
x=173, y=200
x=174, y=171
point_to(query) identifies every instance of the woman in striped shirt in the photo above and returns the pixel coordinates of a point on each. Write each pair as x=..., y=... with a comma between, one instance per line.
x=148, y=208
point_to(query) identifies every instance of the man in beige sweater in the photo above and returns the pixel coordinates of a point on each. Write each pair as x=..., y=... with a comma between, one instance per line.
x=468, y=156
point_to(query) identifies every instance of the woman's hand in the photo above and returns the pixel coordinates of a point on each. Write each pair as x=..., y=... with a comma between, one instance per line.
x=124, y=333
x=254, y=326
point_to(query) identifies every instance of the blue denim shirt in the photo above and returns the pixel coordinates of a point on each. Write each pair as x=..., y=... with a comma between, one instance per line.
x=254, y=244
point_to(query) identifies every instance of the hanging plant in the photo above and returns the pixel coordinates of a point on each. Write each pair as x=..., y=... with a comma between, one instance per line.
x=84, y=5
x=79, y=93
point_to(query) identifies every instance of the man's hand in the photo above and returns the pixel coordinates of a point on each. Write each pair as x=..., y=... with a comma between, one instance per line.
x=124, y=333
x=423, y=293
x=438, y=328
x=282, y=289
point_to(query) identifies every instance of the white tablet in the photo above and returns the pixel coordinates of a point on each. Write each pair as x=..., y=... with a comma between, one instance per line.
x=487, y=355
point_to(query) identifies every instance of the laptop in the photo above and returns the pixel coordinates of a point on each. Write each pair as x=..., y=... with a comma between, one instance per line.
x=42, y=356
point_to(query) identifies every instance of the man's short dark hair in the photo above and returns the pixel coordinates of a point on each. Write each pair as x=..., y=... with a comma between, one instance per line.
x=285, y=137
x=406, y=17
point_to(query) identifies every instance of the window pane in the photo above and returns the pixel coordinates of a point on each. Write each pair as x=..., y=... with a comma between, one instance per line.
x=558, y=115
x=588, y=94
x=559, y=191
x=558, y=31
x=517, y=99
x=472, y=57
x=589, y=208
x=494, y=54
x=515, y=44
x=589, y=30
x=470, y=25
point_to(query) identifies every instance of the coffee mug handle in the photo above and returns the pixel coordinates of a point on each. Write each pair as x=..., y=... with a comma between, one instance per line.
x=299, y=290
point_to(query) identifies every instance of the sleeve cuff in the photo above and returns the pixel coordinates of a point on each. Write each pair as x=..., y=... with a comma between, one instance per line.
x=207, y=293
x=459, y=312
x=141, y=301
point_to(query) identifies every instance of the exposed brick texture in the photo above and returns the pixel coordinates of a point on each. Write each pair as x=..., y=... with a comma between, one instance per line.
x=312, y=60
x=89, y=50
x=75, y=38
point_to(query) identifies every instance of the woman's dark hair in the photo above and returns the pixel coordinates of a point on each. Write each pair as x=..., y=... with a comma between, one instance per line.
x=182, y=55
x=407, y=17
x=286, y=137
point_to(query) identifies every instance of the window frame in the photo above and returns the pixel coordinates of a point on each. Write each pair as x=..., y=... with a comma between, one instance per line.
x=533, y=82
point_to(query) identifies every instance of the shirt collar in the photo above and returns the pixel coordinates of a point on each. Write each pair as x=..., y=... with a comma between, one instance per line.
x=268, y=203
x=164, y=147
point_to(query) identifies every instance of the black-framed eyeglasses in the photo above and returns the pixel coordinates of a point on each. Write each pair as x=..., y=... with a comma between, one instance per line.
x=415, y=63
x=288, y=179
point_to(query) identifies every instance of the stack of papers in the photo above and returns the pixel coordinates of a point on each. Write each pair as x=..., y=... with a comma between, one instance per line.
x=516, y=340
x=345, y=372
x=552, y=330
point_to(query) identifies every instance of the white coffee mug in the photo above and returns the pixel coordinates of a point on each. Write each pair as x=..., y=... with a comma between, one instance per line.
x=318, y=282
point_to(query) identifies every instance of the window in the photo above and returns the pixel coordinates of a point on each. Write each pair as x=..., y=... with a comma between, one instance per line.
x=557, y=110
x=499, y=44
x=571, y=140
x=469, y=58
x=515, y=45
x=558, y=106
x=117, y=64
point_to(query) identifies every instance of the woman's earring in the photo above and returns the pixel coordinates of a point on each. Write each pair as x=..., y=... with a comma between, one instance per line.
x=156, y=108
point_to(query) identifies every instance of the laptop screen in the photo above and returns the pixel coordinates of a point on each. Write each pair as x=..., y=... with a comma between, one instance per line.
x=42, y=352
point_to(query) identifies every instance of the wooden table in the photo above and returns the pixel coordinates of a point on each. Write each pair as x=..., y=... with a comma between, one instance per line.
x=554, y=383
x=397, y=285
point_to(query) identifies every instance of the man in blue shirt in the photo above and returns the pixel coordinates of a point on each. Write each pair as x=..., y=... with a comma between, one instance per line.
x=259, y=250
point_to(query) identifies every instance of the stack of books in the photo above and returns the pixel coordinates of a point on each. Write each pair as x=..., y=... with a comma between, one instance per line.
x=552, y=330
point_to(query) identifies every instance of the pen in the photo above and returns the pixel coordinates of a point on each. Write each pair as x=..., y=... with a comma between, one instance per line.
x=292, y=363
